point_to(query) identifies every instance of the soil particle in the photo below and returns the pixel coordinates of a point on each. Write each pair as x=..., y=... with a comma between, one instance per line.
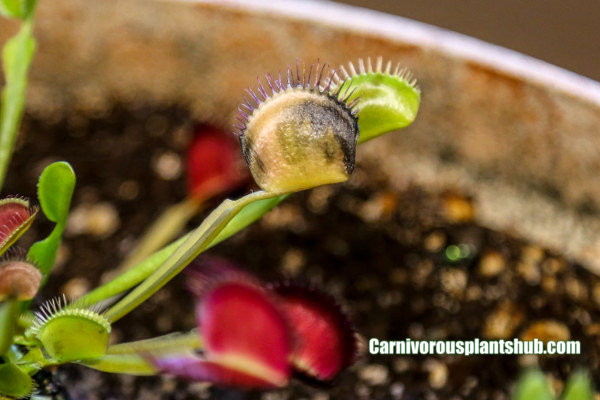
x=374, y=374
x=546, y=330
x=438, y=373
x=76, y=287
x=101, y=220
x=167, y=166
x=492, y=264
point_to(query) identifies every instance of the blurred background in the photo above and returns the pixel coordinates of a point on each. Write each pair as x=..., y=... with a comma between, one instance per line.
x=564, y=33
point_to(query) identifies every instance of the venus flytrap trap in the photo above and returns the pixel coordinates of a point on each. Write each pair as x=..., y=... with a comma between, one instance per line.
x=294, y=329
x=297, y=131
x=389, y=96
x=300, y=135
x=16, y=215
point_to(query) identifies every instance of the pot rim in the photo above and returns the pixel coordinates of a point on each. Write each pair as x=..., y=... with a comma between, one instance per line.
x=426, y=36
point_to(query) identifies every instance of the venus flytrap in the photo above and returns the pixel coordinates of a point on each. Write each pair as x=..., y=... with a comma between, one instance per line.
x=303, y=134
x=296, y=329
x=251, y=212
x=297, y=131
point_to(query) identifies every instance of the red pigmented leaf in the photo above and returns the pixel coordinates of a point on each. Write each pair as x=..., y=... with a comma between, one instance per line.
x=255, y=335
x=244, y=331
x=246, y=341
x=15, y=217
x=214, y=164
x=324, y=339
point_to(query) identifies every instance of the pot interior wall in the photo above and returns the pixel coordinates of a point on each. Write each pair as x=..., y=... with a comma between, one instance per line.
x=525, y=149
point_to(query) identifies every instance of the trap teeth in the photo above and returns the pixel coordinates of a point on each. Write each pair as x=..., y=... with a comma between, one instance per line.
x=324, y=339
x=298, y=134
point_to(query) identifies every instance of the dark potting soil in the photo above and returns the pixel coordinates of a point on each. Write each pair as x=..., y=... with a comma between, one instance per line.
x=405, y=265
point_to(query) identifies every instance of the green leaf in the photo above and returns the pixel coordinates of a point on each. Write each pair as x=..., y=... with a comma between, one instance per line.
x=14, y=382
x=532, y=386
x=29, y=8
x=21, y=9
x=16, y=56
x=11, y=8
x=579, y=387
x=387, y=101
x=55, y=189
x=130, y=364
x=9, y=314
x=132, y=276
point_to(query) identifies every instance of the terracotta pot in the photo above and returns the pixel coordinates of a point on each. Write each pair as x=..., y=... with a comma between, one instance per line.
x=521, y=136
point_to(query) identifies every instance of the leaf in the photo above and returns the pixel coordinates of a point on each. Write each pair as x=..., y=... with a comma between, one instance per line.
x=21, y=9
x=387, y=101
x=16, y=56
x=579, y=387
x=29, y=8
x=55, y=189
x=130, y=364
x=14, y=382
x=532, y=386
x=9, y=313
x=11, y=8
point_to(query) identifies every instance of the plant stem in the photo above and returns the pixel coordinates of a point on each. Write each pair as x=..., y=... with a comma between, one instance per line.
x=167, y=226
x=172, y=342
x=17, y=54
x=132, y=277
x=248, y=215
x=131, y=364
x=129, y=358
x=9, y=314
x=195, y=244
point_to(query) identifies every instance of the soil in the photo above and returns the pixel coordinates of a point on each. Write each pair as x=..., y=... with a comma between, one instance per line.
x=406, y=265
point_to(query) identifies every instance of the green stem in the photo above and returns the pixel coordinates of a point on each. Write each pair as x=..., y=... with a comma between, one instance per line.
x=128, y=358
x=9, y=315
x=172, y=342
x=17, y=55
x=131, y=277
x=248, y=215
x=195, y=244
x=131, y=364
